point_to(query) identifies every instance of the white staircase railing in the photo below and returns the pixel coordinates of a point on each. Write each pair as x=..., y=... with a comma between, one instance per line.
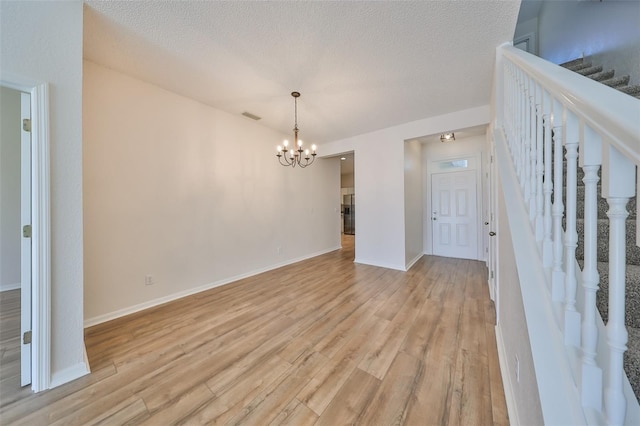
x=545, y=113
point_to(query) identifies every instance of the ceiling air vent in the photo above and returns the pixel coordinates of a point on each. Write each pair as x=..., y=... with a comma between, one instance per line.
x=251, y=116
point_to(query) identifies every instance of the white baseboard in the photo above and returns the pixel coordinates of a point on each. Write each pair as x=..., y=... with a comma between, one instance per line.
x=7, y=287
x=492, y=294
x=175, y=296
x=413, y=262
x=512, y=407
x=70, y=373
x=379, y=265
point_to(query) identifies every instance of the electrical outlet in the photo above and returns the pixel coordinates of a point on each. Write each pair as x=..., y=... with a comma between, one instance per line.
x=148, y=280
x=517, y=369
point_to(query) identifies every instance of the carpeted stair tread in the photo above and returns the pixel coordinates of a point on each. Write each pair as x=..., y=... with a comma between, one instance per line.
x=579, y=66
x=589, y=70
x=604, y=75
x=633, y=90
x=572, y=63
x=616, y=81
x=633, y=251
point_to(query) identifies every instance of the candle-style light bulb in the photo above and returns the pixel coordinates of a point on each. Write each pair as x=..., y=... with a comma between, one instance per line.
x=279, y=149
x=313, y=148
x=292, y=153
x=306, y=152
x=285, y=143
x=300, y=142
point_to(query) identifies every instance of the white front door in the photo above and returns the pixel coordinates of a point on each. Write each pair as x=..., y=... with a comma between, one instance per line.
x=25, y=250
x=454, y=215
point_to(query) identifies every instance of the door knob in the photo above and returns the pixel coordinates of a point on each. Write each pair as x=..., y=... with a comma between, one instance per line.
x=434, y=218
x=492, y=233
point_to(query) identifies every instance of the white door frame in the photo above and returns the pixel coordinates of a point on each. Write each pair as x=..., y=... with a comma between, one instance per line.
x=432, y=167
x=41, y=227
x=25, y=241
x=493, y=226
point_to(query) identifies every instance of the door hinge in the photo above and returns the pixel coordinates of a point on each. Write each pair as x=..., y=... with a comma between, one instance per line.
x=26, y=124
x=26, y=231
x=491, y=274
x=26, y=337
x=492, y=158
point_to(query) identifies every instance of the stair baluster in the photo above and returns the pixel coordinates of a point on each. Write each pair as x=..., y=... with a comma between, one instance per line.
x=512, y=112
x=518, y=136
x=570, y=135
x=513, y=116
x=547, y=245
x=591, y=376
x=516, y=123
x=526, y=138
x=531, y=114
x=618, y=180
x=557, y=276
x=539, y=163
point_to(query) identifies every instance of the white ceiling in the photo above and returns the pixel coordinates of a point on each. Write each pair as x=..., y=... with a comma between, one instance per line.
x=360, y=66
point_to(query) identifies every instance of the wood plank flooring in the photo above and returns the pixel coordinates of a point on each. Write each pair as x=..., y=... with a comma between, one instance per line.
x=321, y=342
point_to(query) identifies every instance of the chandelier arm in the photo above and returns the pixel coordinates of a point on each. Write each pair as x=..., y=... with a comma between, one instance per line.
x=313, y=158
x=286, y=163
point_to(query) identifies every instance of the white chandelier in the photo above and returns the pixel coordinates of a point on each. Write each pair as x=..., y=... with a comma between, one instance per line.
x=297, y=156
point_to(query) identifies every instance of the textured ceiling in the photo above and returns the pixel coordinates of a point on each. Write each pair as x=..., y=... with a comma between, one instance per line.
x=360, y=66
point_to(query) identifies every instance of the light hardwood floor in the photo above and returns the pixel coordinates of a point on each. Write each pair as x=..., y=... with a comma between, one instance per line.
x=324, y=342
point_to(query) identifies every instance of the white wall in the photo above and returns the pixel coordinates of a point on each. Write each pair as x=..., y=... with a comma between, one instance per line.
x=512, y=334
x=379, y=180
x=609, y=31
x=190, y=195
x=43, y=41
x=413, y=202
x=470, y=147
x=9, y=189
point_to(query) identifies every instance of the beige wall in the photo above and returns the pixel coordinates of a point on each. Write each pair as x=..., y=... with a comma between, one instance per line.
x=413, y=202
x=9, y=188
x=346, y=180
x=188, y=194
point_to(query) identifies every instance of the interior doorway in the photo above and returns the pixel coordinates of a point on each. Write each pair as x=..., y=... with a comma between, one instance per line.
x=34, y=340
x=15, y=235
x=347, y=200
